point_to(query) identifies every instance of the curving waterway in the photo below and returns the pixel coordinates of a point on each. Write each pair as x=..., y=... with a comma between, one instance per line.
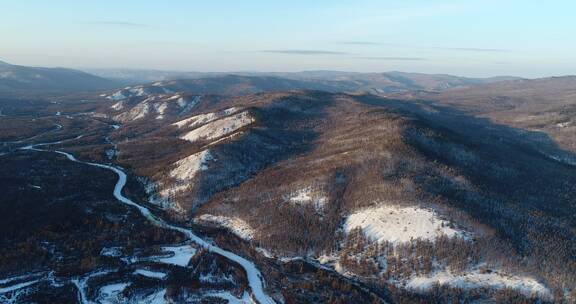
x=255, y=280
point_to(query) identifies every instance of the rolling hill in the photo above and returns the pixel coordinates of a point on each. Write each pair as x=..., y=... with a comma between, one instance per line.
x=22, y=80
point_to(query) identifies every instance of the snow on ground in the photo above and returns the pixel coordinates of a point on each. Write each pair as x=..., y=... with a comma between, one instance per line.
x=151, y=274
x=117, y=96
x=111, y=251
x=112, y=293
x=82, y=284
x=180, y=255
x=246, y=299
x=475, y=279
x=201, y=119
x=307, y=196
x=18, y=286
x=153, y=298
x=219, y=127
x=137, y=112
x=110, y=153
x=196, y=120
x=118, y=106
x=161, y=198
x=236, y=225
x=186, y=105
x=215, y=279
x=187, y=168
x=160, y=109
x=181, y=102
x=184, y=171
x=400, y=224
x=253, y=274
x=20, y=277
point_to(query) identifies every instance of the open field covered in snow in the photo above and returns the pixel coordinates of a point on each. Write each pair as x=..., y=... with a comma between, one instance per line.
x=400, y=224
x=526, y=285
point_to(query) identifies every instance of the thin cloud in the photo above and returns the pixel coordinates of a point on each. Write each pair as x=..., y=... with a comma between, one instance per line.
x=394, y=58
x=359, y=43
x=472, y=49
x=398, y=45
x=304, y=52
x=117, y=23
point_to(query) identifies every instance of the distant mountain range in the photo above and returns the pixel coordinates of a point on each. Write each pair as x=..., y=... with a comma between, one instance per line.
x=17, y=80
x=334, y=81
x=22, y=80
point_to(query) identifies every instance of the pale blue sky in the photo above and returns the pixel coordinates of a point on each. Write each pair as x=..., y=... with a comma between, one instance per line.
x=528, y=38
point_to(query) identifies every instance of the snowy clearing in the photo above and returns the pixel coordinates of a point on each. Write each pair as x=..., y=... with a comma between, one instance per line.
x=219, y=127
x=400, y=224
x=525, y=285
x=151, y=274
x=112, y=293
x=180, y=255
x=307, y=196
x=236, y=225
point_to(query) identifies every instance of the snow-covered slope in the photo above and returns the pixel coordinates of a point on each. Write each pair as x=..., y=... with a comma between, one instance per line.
x=181, y=178
x=201, y=119
x=142, y=104
x=526, y=285
x=400, y=224
x=234, y=224
x=220, y=127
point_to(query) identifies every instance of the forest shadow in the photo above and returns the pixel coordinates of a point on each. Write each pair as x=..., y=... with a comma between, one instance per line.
x=284, y=129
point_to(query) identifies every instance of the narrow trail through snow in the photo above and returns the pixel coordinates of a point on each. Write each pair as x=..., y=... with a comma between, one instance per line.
x=254, y=276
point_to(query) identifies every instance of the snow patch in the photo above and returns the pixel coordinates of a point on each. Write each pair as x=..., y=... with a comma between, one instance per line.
x=236, y=225
x=201, y=119
x=137, y=112
x=400, y=224
x=215, y=279
x=18, y=286
x=111, y=252
x=119, y=95
x=526, y=285
x=186, y=169
x=118, y=106
x=179, y=255
x=112, y=293
x=219, y=127
x=151, y=274
x=308, y=196
x=246, y=299
x=154, y=298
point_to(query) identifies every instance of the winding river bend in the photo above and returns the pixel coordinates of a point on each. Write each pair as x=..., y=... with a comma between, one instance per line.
x=255, y=280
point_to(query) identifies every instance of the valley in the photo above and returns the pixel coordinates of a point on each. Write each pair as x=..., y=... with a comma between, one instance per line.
x=279, y=192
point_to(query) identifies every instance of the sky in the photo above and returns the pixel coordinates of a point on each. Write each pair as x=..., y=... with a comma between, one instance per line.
x=529, y=38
